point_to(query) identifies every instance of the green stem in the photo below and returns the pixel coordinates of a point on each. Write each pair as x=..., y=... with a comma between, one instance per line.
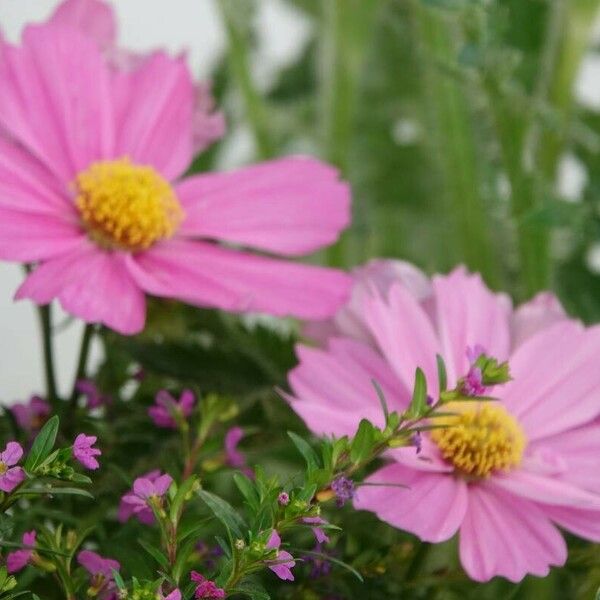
x=84, y=351
x=45, y=314
x=240, y=67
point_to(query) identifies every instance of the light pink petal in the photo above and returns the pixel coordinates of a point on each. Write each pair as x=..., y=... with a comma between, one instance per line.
x=556, y=381
x=12, y=454
x=94, y=18
x=162, y=484
x=540, y=312
x=584, y=523
x=11, y=479
x=91, y=284
x=290, y=206
x=468, y=313
x=205, y=274
x=429, y=459
x=405, y=335
x=142, y=488
x=432, y=506
x=507, y=536
x=154, y=111
x=55, y=98
x=30, y=236
x=209, y=125
x=544, y=489
x=274, y=540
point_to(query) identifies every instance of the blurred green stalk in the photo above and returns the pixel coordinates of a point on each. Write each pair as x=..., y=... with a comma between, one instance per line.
x=454, y=148
x=236, y=26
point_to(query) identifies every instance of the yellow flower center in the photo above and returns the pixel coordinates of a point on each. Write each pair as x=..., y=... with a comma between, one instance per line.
x=126, y=206
x=3, y=468
x=479, y=439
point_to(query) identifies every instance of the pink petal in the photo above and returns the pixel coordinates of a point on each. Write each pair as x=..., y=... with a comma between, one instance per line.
x=556, y=380
x=544, y=489
x=405, y=335
x=539, y=313
x=11, y=479
x=87, y=283
x=468, y=313
x=209, y=125
x=205, y=274
x=584, y=523
x=12, y=454
x=55, y=98
x=290, y=206
x=432, y=507
x=506, y=536
x=274, y=540
x=154, y=111
x=162, y=484
x=94, y=18
x=143, y=488
x=30, y=236
x=429, y=459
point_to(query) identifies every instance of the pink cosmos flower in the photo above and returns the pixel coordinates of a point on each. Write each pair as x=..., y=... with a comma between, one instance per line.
x=162, y=412
x=205, y=588
x=93, y=396
x=101, y=573
x=284, y=562
x=84, y=452
x=505, y=494
x=11, y=476
x=30, y=416
x=146, y=489
x=17, y=560
x=91, y=160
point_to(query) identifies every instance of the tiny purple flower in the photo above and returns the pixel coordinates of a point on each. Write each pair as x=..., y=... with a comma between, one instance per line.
x=318, y=532
x=473, y=383
x=205, y=588
x=283, y=498
x=32, y=415
x=17, y=560
x=319, y=565
x=84, y=451
x=11, y=476
x=344, y=490
x=430, y=400
x=93, y=397
x=417, y=441
x=174, y=595
x=166, y=408
x=284, y=562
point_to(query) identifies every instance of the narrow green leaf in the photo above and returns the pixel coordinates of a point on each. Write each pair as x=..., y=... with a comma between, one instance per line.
x=362, y=443
x=441, y=371
x=418, y=403
x=247, y=489
x=224, y=512
x=158, y=556
x=43, y=444
x=54, y=491
x=335, y=561
x=307, y=452
x=176, y=505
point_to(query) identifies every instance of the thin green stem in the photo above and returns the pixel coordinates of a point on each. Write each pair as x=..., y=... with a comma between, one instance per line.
x=84, y=351
x=238, y=50
x=45, y=315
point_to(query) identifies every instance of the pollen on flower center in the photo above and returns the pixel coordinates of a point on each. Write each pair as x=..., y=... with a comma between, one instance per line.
x=479, y=439
x=3, y=468
x=127, y=206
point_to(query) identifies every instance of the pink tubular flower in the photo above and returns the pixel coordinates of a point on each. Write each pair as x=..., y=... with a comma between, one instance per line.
x=11, y=476
x=506, y=494
x=17, y=560
x=146, y=489
x=162, y=413
x=32, y=415
x=91, y=160
x=84, y=451
x=129, y=506
x=284, y=562
x=101, y=573
x=93, y=396
x=205, y=588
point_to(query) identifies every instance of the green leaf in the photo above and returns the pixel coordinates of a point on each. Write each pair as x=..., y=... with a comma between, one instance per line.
x=43, y=444
x=363, y=441
x=252, y=590
x=224, y=512
x=418, y=404
x=118, y=579
x=247, y=489
x=441, y=370
x=195, y=529
x=158, y=556
x=176, y=505
x=310, y=456
x=54, y=491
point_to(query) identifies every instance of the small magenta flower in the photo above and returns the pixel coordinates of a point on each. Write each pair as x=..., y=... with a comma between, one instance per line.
x=473, y=383
x=344, y=490
x=174, y=595
x=11, y=476
x=146, y=491
x=167, y=411
x=84, y=452
x=128, y=504
x=234, y=457
x=474, y=352
x=101, y=573
x=318, y=531
x=93, y=396
x=284, y=562
x=205, y=588
x=283, y=498
x=17, y=560
x=32, y=415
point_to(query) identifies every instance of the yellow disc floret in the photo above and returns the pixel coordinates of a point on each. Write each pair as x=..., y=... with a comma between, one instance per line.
x=479, y=438
x=126, y=206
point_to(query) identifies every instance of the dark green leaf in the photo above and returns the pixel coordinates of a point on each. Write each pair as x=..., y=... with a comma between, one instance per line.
x=418, y=404
x=224, y=512
x=310, y=456
x=43, y=444
x=158, y=556
x=362, y=444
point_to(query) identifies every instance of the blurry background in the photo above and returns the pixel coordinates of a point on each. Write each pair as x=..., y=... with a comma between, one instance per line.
x=470, y=131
